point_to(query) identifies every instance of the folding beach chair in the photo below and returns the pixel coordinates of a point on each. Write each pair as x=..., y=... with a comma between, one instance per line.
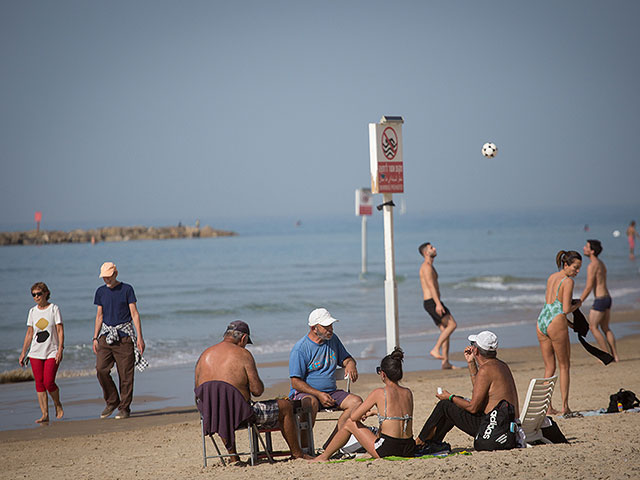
x=224, y=399
x=304, y=428
x=536, y=405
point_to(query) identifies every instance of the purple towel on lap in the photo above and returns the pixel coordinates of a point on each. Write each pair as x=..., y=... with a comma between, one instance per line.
x=223, y=409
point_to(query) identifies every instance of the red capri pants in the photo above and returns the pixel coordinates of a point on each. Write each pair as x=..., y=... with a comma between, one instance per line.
x=44, y=373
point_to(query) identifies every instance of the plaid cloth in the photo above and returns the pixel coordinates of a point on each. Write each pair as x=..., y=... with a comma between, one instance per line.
x=266, y=413
x=113, y=336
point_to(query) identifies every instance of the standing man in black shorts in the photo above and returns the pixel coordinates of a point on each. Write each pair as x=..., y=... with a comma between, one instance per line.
x=435, y=308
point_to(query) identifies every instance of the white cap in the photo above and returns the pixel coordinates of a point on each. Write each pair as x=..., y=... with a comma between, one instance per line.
x=321, y=316
x=485, y=340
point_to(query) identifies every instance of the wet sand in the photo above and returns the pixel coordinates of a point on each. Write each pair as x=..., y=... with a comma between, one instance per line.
x=166, y=443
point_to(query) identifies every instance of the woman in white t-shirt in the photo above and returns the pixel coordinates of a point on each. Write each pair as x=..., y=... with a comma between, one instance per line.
x=45, y=335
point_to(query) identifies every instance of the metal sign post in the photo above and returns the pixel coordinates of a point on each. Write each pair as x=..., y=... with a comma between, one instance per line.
x=387, y=177
x=364, y=208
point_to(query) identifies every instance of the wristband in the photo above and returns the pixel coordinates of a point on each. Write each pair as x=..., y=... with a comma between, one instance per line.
x=451, y=397
x=95, y=338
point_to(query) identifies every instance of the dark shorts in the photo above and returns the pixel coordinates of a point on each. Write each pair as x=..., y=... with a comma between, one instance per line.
x=602, y=304
x=430, y=307
x=387, y=446
x=337, y=395
x=266, y=413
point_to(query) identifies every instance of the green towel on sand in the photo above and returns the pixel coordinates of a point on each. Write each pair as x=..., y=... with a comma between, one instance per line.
x=395, y=459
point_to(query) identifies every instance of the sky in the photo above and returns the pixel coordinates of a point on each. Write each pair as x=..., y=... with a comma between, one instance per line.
x=163, y=111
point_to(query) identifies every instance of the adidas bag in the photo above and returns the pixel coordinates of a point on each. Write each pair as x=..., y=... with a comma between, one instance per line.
x=498, y=429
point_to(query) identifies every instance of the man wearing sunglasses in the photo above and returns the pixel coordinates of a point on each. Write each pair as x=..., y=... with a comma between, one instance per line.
x=492, y=382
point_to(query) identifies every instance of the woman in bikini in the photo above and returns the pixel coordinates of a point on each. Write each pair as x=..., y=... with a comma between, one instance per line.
x=395, y=416
x=552, y=328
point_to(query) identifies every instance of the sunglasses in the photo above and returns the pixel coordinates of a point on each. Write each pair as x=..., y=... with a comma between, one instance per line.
x=36, y=294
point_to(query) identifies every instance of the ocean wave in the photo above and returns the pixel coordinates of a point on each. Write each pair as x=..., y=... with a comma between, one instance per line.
x=621, y=292
x=513, y=300
x=26, y=375
x=205, y=312
x=498, y=282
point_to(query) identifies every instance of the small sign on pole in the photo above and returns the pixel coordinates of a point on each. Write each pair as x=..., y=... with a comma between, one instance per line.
x=364, y=208
x=38, y=218
x=364, y=201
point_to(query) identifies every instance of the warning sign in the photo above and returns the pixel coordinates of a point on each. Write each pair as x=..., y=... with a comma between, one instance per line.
x=385, y=146
x=364, y=201
x=389, y=142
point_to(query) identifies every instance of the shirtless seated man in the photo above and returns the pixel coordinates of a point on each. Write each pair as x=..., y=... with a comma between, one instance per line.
x=492, y=382
x=229, y=361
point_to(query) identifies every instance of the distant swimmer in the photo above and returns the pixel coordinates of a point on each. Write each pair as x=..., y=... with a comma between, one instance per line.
x=631, y=237
x=435, y=308
x=601, y=310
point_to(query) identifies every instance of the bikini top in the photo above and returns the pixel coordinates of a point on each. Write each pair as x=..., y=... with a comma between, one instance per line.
x=405, y=418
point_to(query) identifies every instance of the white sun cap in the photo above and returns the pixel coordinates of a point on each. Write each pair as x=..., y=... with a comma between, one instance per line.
x=485, y=340
x=321, y=316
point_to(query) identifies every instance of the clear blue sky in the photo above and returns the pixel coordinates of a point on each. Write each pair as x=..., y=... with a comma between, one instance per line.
x=117, y=111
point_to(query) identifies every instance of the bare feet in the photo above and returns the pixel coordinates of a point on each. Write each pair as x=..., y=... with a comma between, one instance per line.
x=43, y=419
x=303, y=457
x=552, y=411
x=448, y=366
x=435, y=354
x=59, y=411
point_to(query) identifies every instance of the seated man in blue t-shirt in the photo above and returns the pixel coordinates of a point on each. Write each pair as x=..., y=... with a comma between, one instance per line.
x=312, y=367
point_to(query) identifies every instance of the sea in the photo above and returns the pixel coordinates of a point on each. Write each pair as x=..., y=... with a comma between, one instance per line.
x=492, y=266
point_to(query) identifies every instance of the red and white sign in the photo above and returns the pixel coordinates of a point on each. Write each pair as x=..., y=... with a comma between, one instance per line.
x=364, y=201
x=385, y=148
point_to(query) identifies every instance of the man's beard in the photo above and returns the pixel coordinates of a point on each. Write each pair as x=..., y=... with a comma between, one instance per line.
x=323, y=336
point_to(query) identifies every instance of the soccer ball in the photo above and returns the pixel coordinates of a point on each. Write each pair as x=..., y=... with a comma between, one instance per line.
x=489, y=150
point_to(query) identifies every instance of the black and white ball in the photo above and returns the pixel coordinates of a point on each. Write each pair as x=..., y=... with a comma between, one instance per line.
x=489, y=150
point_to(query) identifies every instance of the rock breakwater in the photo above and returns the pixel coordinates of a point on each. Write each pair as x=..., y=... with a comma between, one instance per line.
x=109, y=234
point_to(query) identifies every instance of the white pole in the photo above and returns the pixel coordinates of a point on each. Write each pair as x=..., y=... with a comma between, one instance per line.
x=364, y=244
x=390, y=286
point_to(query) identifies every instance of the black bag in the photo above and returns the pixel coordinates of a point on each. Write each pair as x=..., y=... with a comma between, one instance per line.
x=496, y=431
x=627, y=398
x=553, y=433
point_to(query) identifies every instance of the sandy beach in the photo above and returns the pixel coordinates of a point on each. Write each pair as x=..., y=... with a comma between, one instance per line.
x=157, y=444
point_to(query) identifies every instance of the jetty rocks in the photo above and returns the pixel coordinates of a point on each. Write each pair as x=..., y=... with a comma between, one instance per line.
x=109, y=234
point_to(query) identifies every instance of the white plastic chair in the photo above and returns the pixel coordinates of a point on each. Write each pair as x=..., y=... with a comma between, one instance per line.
x=536, y=405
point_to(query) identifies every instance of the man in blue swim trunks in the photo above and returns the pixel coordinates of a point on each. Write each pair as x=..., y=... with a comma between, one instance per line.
x=601, y=310
x=312, y=367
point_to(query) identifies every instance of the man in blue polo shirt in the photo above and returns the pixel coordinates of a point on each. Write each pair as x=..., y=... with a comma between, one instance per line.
x=312, y=367
x=115, y=341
